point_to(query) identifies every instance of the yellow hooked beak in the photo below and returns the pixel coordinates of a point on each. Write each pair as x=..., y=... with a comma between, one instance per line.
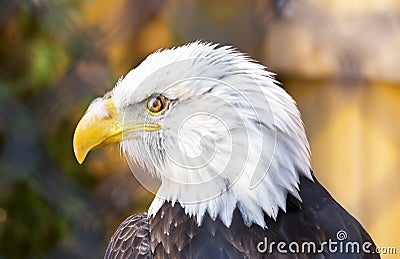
x=94, y=132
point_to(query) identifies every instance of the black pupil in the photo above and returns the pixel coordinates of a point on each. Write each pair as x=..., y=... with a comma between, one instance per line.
x=155, y=103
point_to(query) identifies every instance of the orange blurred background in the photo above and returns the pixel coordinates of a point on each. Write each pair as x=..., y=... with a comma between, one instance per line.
x=339, y=59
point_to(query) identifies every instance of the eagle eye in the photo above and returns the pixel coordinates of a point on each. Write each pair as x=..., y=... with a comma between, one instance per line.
x=156, y=104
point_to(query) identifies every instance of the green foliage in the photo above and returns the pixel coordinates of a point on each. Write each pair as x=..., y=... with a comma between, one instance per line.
x=47, y=61
x=42, y=199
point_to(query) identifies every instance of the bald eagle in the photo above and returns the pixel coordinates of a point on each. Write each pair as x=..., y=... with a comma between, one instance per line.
x=230, y=149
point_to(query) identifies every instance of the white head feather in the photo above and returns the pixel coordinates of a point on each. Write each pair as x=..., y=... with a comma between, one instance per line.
x=230, y=137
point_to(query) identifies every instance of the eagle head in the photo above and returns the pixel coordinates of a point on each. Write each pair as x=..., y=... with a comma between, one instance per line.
x=212, y=125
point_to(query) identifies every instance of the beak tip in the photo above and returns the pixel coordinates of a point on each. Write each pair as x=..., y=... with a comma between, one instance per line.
x=78, y=143
x=79, y=151
x=80, y=157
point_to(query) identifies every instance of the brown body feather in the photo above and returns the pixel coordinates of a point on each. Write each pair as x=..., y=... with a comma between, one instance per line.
x=173, y=234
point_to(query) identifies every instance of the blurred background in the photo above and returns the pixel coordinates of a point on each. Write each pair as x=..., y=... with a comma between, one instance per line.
x=339, y=59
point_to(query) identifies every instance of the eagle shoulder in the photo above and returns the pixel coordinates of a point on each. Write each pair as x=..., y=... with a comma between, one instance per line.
x=131, y=240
